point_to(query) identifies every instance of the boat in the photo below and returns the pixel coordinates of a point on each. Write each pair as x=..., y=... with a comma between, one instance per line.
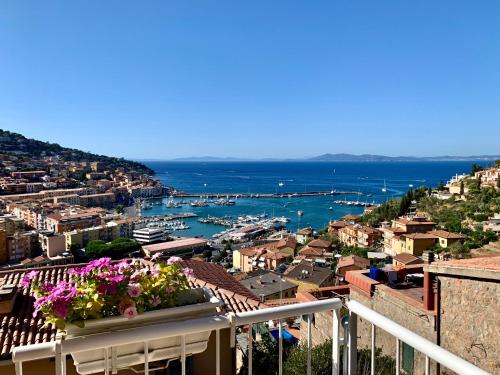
x=281, y=184
x=300, y=213
x=331, y=208
x=384, y=189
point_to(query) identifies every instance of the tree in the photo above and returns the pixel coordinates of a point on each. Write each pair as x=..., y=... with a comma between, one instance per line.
x=458, y=251
x=475, y=168
x=116, y=249
x=440, y=186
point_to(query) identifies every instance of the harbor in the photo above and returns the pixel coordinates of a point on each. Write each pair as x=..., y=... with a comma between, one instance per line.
x=263, y=195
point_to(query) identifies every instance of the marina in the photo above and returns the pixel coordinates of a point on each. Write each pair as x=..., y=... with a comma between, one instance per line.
x=263, y=195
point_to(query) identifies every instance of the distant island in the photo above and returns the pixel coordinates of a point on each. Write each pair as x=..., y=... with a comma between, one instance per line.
x=346, y=157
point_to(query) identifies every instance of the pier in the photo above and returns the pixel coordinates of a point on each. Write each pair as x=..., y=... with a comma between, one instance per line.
x=264, y=195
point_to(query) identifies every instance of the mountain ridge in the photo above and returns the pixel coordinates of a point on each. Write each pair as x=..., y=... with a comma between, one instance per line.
x=344, y=157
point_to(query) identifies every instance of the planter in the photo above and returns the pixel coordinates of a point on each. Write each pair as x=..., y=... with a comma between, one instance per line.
x=124, y=356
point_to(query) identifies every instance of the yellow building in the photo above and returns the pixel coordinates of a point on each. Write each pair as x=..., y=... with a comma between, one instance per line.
x=304, y=235
x=416, y=243
x=445, y=239
x=80, y=238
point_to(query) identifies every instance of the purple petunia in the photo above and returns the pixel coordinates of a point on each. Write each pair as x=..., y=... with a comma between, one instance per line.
x=173, y=260
x=188, y=272
x=28, y=277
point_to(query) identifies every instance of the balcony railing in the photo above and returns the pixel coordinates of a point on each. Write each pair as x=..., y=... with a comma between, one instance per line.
x=59, y=349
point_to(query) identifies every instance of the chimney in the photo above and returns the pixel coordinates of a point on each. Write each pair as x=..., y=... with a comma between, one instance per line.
x=428, y=257
x=8, y=294
x=429, y=299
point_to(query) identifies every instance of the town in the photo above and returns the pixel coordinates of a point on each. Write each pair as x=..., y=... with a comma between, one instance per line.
x=403, y=258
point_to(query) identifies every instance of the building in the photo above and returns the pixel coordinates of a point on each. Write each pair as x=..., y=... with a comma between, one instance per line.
x=476, y=336
x=183, y=246
x=11, y=224
x=53, y=244
x=414, y=243
x=358, y=235
x=394, y=244
x=445, y=239
x=351, y=263
x=149, y=235
x=61, y=222
x=19, y=246
x=269, y=286
x=493, y=224
x=28, y=174
x=351, y=218
x=489, y=177
x=405, y=259
x=98, y=200
x=304, y=235
x=309, y=276
x=4, y=254
x=335, y=226
x=81, y=237
x=267, y=257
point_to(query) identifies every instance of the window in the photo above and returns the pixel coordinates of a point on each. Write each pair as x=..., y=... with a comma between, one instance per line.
x=407, y=358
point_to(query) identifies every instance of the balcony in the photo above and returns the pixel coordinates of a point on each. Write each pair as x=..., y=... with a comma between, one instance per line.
x=226, y=327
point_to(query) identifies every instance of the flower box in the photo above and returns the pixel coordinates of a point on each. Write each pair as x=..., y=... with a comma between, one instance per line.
x=105, y=296
x=124, y=356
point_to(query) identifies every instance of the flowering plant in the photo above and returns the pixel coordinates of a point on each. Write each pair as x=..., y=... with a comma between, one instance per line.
x=102, y=289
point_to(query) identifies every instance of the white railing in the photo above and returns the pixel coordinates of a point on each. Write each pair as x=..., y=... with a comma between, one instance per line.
x=60, y=349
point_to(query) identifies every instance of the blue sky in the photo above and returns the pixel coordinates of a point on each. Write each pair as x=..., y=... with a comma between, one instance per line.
x=164, y=79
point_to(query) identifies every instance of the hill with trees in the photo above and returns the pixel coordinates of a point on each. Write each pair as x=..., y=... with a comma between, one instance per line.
x=17, y=144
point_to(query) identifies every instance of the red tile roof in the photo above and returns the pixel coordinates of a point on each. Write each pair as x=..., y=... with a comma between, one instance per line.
x=445, y=234
x=405, y=258
x=320, y=243
x=305, y=232
x=312, y=251
x=353, y=260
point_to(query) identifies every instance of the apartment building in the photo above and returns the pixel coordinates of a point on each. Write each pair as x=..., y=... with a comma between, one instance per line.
x=395, y=234
x=66, y=221
x=358, y=235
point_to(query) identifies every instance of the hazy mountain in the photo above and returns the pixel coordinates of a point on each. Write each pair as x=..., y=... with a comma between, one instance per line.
x=348, y=157
x=369, y=157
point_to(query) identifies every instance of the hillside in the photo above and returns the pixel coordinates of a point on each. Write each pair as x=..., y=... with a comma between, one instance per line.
x=19, y=145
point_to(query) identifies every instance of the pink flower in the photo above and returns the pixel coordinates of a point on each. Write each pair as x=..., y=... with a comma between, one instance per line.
x=169, y=289
x=100, y=263
x=134, y=290
x=188, y=272
x=155, y=301
x=28, y=277
x=156, y=256
x=130, y=312
x=173, y=260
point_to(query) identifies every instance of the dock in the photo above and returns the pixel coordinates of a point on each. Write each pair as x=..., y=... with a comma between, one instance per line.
x=264, y=195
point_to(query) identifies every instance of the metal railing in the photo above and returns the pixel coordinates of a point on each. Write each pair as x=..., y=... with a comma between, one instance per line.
x=61, y=348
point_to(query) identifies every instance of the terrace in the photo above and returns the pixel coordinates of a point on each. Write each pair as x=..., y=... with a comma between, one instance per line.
x=223, y=340
x=344, y=335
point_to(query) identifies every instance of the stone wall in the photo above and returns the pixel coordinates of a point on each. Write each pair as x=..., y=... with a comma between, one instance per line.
x=387, y=302
x=470, y=320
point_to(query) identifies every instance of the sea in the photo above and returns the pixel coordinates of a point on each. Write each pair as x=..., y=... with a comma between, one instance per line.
x=368, y=178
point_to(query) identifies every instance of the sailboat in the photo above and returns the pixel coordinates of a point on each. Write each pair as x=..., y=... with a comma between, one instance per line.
x=384, y=189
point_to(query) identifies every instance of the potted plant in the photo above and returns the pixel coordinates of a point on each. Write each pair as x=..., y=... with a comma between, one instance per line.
x=103, y=296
